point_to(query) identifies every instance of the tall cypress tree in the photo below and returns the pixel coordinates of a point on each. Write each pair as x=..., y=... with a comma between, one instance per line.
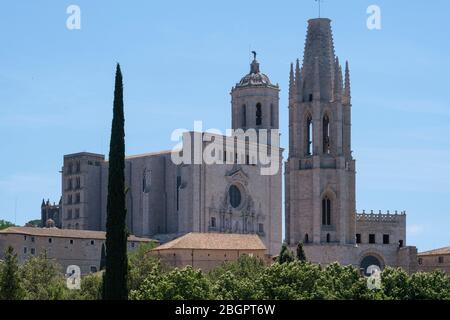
x=301, y=256
x=103, y=258
x=115, y=277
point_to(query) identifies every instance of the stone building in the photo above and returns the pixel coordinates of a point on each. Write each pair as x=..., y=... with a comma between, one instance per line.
x=320, y=171
x=166, y=200
x=437, y=259
x=51, y=212
x=66, y=247
x=206, y=251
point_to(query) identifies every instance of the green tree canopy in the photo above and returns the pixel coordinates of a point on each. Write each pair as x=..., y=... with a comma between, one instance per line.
x=10, y=284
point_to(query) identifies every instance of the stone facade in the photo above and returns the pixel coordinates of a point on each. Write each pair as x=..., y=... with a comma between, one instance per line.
x=67, y=247
x=435, y=260
x=320, y=172
x=51, y=214
x=166, y=200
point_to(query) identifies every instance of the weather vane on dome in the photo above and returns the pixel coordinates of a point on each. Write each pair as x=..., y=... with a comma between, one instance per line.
x=254, y=55
x=319, y=2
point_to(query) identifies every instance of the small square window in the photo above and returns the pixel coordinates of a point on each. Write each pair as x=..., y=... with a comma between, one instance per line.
x=371, y=238
x=93, y=269
x=133, y=244
x=441, y=259
x=50, y=240
x=358, y=238
x=32, y=239
x=71, y=241
x=25, y=238
x=92, y=242
x=385, y=239
x=33, y=251
x=420, y=261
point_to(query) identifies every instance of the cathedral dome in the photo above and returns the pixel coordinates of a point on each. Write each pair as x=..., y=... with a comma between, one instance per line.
x=255, y=78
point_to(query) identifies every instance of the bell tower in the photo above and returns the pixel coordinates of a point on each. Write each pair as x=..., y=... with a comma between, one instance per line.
x=320, y=170
x=254, y=101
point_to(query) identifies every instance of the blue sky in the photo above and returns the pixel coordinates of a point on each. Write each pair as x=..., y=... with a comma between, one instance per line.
x=180, y=60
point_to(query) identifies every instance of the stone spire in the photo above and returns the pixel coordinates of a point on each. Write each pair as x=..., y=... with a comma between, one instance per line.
x=291, y=83
x=316, y=93
x=298, y=78
x=347, y=97
x=319, y=49
x=337, y=81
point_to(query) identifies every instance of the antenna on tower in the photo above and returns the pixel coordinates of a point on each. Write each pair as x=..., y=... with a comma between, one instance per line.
x=15, y=211
x=319, y=2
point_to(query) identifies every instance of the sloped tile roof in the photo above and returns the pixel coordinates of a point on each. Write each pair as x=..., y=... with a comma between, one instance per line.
x=215, y=241
x=445, y=250
x=65, y=233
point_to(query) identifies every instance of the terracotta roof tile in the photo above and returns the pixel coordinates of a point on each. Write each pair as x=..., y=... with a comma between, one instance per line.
x=65, y=233
x=445, y=250
x=215, y=241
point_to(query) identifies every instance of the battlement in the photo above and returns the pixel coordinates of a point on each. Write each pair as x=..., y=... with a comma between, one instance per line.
x=380, y=216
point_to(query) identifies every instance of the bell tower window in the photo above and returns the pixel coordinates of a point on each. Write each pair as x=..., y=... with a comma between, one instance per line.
x=326, y=211
x=258, y=114
x=309, y=136
x=326, y=134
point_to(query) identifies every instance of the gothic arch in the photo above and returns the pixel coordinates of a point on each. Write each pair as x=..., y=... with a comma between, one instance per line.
x=308, y=132
x=328, y=201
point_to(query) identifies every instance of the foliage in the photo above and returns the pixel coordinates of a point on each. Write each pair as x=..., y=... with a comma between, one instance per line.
x=10, y=288
x=301, y=256
x=286, y=254
x=178, y=284
x=141, y=264
x=289, y=281
x=5, y=224
x=42, y=279
x=103, y=258
x=247, y=278
x=91, y=287
x=35, y=223
x=237, y=280
x=115, y=276
x=341, y=283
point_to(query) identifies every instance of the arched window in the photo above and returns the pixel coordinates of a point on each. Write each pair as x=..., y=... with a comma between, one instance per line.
x=326, y=134
x=244, y=116
x=309, y=135
x=258, y=114
x=326, y=211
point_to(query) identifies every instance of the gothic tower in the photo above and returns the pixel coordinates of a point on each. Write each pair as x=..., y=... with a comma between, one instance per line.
x=320, y=171
x=255, y=101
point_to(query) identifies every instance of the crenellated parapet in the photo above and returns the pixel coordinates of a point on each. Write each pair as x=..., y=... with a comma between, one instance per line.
x=380, y=216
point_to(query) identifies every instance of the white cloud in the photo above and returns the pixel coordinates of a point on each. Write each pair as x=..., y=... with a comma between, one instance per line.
x=415, y=230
